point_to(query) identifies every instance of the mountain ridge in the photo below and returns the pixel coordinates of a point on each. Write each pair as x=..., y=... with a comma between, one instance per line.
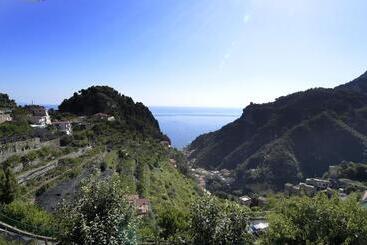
x=241, y=145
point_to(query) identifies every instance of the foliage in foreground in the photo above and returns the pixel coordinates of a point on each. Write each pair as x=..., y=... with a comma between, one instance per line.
x=216, y=222
x=319, y=220
x=101, y=215
x=29, y=217
x=8, y=184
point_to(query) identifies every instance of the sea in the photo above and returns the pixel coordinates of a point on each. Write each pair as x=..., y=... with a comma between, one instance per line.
x=184, y=124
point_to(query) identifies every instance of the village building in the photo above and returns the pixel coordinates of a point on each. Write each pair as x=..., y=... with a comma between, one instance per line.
x=290, y=189
x=101, y=116
x=333, y=171
x=309, y=190
x=364, y=200
x=142, y=204
x=166, y=143
x=258, y=226
x=262, y=201
x=318, y=183
x=173, y=162
x=38, y=116
x=5, y=116
x=225, y=172
x=202, y=183
x=245, y=200
x=64, y=127
x=111, y=119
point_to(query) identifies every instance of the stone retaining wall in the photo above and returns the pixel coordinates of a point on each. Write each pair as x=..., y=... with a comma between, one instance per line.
x=22, y=147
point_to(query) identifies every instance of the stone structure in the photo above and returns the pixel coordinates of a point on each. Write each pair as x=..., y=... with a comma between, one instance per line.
x=101, y=116
x=319, y=183
x=333, y=171
x=309, y=190
x=38, y=116
x=20, y=147
x=64, y=127
x=5, y=116
x=245, y=200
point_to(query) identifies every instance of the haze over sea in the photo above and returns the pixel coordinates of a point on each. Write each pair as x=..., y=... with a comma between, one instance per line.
x=184, y=124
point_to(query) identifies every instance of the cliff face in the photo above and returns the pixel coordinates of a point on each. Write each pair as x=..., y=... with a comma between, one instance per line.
x=296, y=136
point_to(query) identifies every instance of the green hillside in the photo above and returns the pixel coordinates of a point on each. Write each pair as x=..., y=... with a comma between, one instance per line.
x=294, y=137
x=129, y=149
x=104, y=99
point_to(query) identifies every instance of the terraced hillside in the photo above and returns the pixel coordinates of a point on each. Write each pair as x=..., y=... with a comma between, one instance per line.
x=39, y=173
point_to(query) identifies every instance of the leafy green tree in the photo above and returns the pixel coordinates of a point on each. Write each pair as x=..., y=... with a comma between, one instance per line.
x=6, y=102
x=215, y=222
x=8, y=185
x=141, y=175
x=318, y=220
x=101, y=215
x=29, y=217
x=173, y=224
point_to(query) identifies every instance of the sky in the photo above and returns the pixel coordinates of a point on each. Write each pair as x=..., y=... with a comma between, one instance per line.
x=201, y=53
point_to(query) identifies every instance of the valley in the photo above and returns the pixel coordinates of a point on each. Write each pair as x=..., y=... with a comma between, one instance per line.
x=100, y=145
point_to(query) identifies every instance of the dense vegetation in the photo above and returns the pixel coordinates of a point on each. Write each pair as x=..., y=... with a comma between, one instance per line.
x=6, y=102
x=104, y=162
x=216, y=222
x=100, y=215
x=8, y=184
x=352, y=171
x=103, y=99
x=296, y=136
x=318, y=220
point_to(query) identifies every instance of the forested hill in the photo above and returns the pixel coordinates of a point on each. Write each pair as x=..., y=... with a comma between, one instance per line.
x=6, y=102
x=294, y=137
x=104, y=99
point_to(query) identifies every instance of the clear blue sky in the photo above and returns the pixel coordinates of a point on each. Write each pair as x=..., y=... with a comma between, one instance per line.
x=180, y=52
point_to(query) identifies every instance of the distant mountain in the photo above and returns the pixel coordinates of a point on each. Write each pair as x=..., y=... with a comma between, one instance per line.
x=104, y=99
x=294, y=137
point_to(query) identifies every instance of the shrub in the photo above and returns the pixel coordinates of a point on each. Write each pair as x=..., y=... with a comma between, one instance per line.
x=101, y=215
x=215, y=222
x=8, y=185
x=29, y=217
x=318, y=220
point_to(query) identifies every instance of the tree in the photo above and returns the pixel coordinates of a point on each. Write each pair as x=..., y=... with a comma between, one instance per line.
x=318, y=220
x=6, y=102
x=101, y=215
x=215, y=222
x=8, y=185
x=172, y=223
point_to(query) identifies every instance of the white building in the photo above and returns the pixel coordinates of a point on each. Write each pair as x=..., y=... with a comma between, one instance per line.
x=5, y=117
x=245, y=200
x=319, y=183
x=64, y=127
x=39, y=116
